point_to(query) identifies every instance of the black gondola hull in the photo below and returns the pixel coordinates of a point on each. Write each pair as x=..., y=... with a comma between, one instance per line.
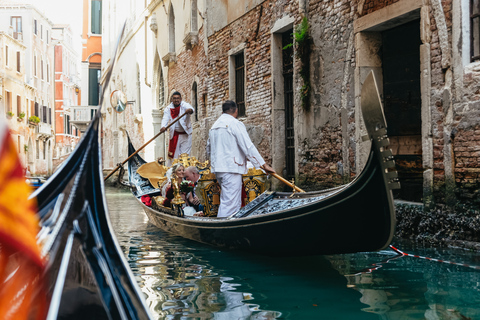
x=357, y=219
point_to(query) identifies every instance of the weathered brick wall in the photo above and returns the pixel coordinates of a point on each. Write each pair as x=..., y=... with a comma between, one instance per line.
x=253, y=30
x=332, y=69
x=467, y=170
x=370, y=6
x=320, y=168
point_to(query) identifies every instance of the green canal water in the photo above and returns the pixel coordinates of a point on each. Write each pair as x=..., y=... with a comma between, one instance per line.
x=182, y=279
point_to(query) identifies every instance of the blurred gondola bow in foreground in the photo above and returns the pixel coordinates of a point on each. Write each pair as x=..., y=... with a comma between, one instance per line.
x=88, y=275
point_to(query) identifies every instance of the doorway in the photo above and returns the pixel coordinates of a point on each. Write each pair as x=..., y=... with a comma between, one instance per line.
x=402, y=105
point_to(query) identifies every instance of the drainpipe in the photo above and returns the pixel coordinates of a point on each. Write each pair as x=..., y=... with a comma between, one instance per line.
x=146, y=54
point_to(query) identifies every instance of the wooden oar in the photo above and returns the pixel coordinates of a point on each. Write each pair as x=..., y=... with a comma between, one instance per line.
x=288, y=183
x=121, y=164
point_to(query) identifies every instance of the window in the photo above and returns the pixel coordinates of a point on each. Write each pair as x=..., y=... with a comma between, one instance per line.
x=44, y=150
x=37, y=111
x=195, y=99
x=194, y=24
x=19, y=105
x=35, y=65
x=161, y=89
x=6, y=55
x=47, y=36
x=93, y=86
x=240, y=83
x=96, y=17
x=475, y=29
x=18, y=62
x=67, y=124
x=16, y=23
x=171, y=30
x=37, y=149
x=49, y=115
x=35, y=30
x=9, y=101
x=41, y=31
x=44, y=114
x=41, y=68
x=48, y=73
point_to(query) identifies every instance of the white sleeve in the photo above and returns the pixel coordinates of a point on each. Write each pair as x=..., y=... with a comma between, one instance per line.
x=246, y=145
x=166, y=116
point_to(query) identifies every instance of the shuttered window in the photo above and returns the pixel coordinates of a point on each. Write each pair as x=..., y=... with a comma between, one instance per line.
x=96, y=16
x=240, y=83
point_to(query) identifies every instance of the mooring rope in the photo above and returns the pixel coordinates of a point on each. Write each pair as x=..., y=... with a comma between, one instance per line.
x=433, y=259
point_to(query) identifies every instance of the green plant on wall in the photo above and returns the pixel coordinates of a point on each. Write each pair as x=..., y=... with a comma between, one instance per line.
x=10, y=114
x=25, y=148
x=34, y=119
x=21, y=115
x=302, y=40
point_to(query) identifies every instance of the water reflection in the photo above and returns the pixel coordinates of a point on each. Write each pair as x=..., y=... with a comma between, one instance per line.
x=183, y=279
x=176, y=281
x=402, y=287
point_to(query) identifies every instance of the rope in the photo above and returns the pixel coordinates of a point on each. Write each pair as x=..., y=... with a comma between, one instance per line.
x=432, y=259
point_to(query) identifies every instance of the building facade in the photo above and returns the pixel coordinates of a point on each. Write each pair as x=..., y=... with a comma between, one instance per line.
x=296, y=69
x=33, y=31
x=67, y=92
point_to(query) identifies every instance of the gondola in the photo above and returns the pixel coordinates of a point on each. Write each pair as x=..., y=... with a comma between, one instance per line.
x=87, y=274
x=358, y=216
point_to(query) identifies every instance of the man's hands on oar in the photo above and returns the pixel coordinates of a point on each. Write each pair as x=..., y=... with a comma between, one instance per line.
x=188, y=111
x=267, y=169
x=162, y=130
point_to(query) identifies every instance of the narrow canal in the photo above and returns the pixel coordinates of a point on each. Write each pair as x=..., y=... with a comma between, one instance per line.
x=182, y=279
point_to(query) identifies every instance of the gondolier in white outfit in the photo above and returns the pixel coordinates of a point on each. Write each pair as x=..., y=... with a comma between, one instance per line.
x=180, y=133
x=230, y=147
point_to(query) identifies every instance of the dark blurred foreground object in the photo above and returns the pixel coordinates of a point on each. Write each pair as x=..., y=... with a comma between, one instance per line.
x=87, y=274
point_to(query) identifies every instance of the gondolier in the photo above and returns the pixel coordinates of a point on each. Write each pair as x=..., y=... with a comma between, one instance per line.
x=230, y=147
x=181, y=132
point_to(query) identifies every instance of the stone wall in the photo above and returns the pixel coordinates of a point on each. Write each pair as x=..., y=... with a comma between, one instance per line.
x=327, y=134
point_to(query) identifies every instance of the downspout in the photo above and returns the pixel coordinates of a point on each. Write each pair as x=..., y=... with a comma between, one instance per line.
x=146, y=65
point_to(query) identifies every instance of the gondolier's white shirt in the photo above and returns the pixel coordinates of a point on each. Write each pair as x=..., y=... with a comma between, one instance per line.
x=184, y=122
x=230, y=146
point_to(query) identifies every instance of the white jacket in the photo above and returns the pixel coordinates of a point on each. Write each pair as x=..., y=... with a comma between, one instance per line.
x=230, y=146
x=184, y=122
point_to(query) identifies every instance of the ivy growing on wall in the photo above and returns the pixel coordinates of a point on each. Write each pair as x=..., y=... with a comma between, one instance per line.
x=302, y=40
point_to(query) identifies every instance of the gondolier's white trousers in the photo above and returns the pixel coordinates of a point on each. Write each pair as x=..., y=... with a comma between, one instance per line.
x=184, y=145
x=231, y=194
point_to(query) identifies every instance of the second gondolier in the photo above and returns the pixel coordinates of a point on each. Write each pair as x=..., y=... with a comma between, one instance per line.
x=180, y=133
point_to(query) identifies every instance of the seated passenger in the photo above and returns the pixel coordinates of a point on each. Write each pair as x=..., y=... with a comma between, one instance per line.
x=168, y=193
x=192, y=174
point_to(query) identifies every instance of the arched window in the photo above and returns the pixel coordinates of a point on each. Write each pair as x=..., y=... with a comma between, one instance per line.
x=171, y=30
x=195, y=99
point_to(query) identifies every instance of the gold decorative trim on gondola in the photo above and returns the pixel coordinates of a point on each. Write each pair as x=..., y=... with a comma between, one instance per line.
x=254, y=184
x=208, y=189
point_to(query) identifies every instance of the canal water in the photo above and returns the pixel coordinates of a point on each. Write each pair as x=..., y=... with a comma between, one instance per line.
x=182, y=279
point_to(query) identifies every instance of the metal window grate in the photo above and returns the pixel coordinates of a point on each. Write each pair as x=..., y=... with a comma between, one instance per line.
x=240, y=83
x=288, y=92
x=195, y=99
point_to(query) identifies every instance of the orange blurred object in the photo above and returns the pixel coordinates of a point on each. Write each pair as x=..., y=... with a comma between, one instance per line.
x=21, y=264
